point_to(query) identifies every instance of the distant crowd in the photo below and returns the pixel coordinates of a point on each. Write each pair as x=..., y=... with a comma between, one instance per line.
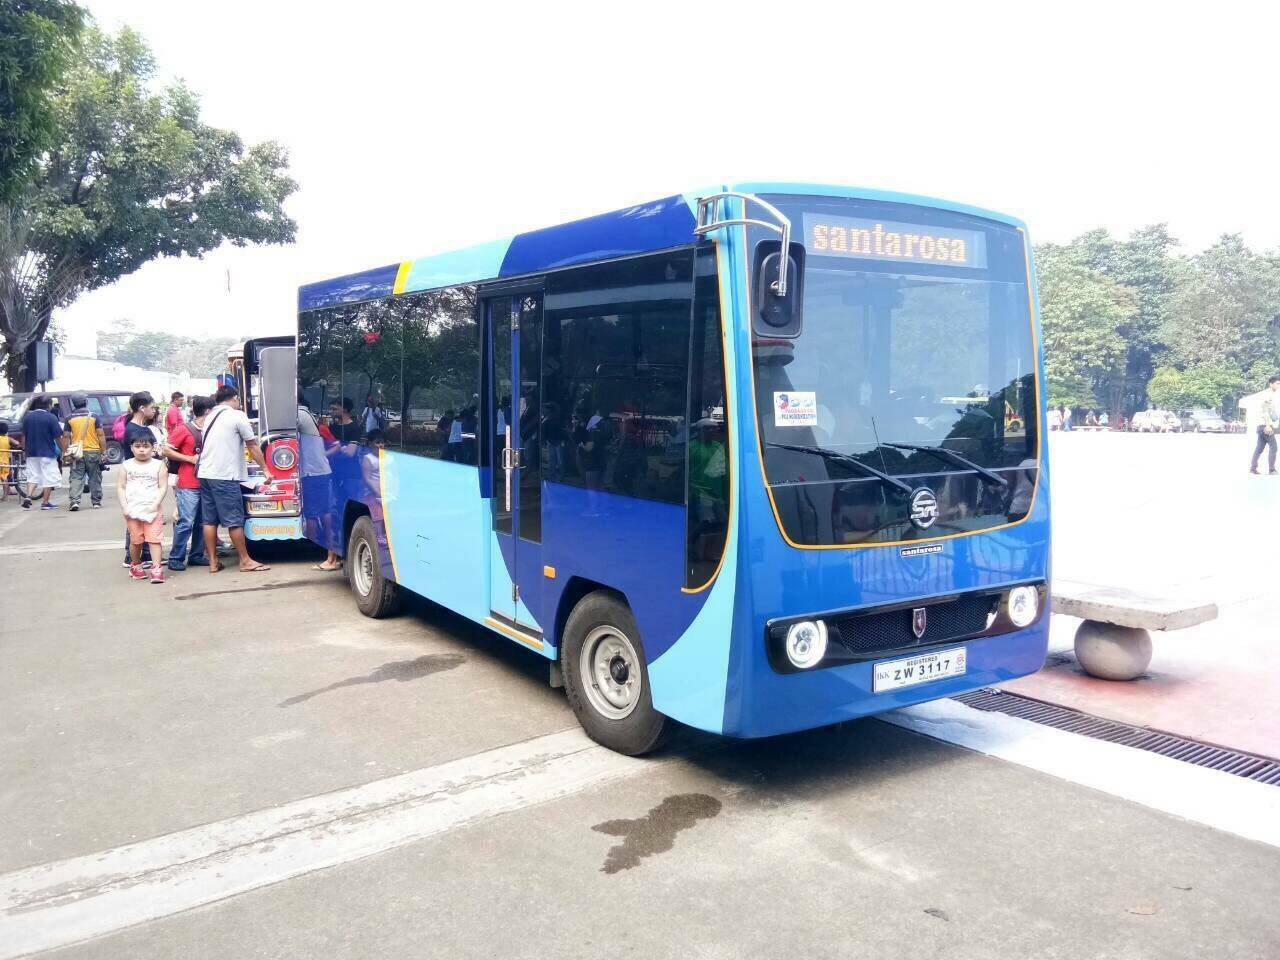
x=188, y=468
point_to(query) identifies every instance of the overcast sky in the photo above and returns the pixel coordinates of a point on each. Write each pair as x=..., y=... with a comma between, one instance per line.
x=415, y=128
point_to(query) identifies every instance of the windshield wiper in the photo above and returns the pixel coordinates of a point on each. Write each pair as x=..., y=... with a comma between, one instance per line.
x=845, y=458
x=945, y=454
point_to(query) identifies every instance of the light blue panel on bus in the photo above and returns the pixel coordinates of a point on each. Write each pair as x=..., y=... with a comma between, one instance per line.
x=501, y=587
x=473, y=264
x=690, y=681
x=437, y=531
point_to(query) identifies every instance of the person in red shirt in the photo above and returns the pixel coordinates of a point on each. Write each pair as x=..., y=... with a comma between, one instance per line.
x=184, y=447
x=173, y=416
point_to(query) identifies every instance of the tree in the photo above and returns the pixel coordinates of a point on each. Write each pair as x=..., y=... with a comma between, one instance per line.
x=157, y=350
x=133, y=175
x=37, y=41
x=1227, y=312
x=1146, y=267
x=1082, y=312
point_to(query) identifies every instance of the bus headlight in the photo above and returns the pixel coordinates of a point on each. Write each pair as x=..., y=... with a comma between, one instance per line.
x=806, y=643
x=1024, y=604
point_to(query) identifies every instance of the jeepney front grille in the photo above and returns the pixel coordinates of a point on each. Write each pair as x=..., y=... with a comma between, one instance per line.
x=891, y=629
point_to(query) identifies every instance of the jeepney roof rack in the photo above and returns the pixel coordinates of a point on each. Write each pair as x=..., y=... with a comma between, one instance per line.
x=707, y=221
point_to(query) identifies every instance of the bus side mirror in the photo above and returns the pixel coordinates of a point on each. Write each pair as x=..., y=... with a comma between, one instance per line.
x=778, y=315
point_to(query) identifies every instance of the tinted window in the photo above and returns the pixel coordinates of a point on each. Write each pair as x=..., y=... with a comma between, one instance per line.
x=320, y=333
x=708, y=440
x=441, y=385
x=615, y=356
x=371, y=369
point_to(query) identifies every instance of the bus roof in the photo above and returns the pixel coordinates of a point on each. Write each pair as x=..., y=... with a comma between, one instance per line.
x=656, y=225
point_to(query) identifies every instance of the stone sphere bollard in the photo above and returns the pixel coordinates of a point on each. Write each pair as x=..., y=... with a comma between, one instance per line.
x=1110, y=652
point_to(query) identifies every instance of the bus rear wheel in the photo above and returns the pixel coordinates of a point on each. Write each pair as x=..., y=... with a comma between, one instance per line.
x=607, y=677
x=376, y=596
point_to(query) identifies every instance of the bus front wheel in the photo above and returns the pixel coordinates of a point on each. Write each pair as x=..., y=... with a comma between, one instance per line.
x=376, y=596
x=607, y=677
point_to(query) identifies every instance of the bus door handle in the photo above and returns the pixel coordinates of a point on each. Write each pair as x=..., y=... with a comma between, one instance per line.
x=508, y=464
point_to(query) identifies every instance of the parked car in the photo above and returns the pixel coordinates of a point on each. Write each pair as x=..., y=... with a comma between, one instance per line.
x=107, y=404
x=1203, y=421
x=1155, y=421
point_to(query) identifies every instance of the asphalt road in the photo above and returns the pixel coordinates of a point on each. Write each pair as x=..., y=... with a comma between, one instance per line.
x=242, y=766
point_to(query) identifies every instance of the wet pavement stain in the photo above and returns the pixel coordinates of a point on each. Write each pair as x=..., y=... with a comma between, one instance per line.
x=656, y=831
x=399, y=670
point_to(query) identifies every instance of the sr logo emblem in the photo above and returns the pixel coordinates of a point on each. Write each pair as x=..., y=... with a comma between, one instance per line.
x=924, y=508
x=919, y=621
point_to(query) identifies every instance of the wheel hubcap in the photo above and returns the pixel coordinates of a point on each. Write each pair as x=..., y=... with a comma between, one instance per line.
x=363, y=568
x=610, y=671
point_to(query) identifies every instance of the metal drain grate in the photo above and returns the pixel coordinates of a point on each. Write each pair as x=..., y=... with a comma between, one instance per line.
x=1246, y=765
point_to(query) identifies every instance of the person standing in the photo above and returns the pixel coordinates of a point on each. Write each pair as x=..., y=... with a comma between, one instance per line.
x=374, y=415
x=141, y=487
x=220, y=469
x=46, y=442
x=184, y=449
x=1268, y=424
x=7, y=443
x=342, y=424
x=142, y=413
x=174, y=416
x=87, y=447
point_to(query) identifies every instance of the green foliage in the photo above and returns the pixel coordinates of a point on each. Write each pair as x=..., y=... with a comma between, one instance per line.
x=132, y=175
x=1082, y=312
x=1227, y=312
x=1197, y=331
x=37, y=41
x=1177, y=390
x=156, y=350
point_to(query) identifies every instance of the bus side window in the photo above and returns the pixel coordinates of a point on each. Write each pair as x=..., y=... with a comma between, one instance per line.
x=615, y=361
x=441, y=388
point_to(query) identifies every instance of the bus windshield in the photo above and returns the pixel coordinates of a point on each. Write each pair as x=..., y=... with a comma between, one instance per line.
x=915, y=357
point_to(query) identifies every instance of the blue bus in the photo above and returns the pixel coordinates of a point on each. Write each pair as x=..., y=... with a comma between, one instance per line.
x=754, y=459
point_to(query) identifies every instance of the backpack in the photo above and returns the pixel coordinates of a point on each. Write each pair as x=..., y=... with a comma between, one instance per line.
x=117, y=428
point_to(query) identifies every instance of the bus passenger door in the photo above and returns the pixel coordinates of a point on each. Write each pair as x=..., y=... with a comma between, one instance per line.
x=514, y=325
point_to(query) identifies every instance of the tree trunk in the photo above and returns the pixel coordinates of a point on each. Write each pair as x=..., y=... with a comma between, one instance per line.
x=21, y=379
x=15, y=366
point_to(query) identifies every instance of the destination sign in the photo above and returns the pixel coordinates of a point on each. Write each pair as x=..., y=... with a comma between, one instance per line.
x=886, y=240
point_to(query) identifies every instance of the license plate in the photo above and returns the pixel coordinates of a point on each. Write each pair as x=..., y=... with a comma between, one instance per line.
x=266, y=506
x=927, y=667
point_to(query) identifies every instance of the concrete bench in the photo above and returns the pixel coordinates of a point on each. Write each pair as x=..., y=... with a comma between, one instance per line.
x=1114, y=642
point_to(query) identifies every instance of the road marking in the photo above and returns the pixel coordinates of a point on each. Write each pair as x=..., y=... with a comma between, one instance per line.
x=33, y=549
x=68, y=901
x=1219, y=800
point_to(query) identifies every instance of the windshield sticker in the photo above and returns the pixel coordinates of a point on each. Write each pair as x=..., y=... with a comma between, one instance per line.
x=795, y=408
x=886, y=240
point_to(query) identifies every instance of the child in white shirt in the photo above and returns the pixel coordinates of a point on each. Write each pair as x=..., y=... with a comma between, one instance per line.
x=141, y=487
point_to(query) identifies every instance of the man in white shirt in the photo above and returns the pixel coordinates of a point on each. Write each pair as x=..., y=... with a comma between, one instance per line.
x=221, y=468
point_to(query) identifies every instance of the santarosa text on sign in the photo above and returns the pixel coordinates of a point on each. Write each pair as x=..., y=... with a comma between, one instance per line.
x=885, y=240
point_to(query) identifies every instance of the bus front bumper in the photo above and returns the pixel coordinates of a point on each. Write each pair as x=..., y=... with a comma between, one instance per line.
x=770, y=703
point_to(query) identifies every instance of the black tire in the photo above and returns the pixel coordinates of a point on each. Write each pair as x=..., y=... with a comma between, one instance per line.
x=601, y=618
x=376, y=596
x=115, y=453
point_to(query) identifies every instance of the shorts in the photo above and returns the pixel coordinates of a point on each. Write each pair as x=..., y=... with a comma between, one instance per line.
x=222, y=503
x=44, y=472
x=145, y=531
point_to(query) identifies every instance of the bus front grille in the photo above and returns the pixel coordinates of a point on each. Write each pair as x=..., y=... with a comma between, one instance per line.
x=892, y=629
